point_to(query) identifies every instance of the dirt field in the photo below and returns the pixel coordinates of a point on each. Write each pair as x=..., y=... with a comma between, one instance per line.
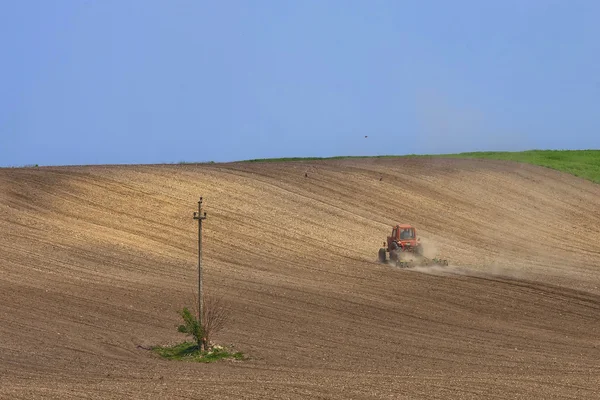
x=95, y=262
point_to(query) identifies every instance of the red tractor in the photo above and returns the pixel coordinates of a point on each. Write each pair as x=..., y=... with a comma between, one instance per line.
x=404, y=239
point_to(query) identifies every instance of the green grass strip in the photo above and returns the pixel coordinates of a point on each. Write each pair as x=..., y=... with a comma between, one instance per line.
x=188, y=351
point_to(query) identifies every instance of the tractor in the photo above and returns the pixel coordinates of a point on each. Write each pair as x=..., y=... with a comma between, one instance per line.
x=404, y=240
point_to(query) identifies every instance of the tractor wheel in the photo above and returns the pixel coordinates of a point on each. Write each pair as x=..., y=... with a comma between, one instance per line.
x=382, y=255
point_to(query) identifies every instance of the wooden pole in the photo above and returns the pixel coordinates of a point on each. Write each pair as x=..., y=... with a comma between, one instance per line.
x=200, y=217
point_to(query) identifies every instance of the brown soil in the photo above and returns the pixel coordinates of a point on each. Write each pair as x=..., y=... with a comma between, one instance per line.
x=95, y=262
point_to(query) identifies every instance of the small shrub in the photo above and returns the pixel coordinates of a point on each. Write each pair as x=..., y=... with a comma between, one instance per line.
x=216, y=315
x=215, y=312
x=192, y=327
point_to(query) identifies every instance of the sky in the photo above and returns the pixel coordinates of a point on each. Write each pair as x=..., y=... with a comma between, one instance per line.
x=148, y=81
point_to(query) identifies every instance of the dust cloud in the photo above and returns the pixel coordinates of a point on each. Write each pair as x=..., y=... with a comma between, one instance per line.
x=498, y=268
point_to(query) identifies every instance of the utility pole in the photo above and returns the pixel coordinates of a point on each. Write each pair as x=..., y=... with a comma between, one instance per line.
x=200, y=217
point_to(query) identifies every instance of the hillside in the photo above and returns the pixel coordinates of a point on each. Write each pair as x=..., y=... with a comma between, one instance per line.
x=95, y=262
x=582, y=163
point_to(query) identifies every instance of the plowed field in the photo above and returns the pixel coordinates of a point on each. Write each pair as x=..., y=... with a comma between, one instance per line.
x=95, y=262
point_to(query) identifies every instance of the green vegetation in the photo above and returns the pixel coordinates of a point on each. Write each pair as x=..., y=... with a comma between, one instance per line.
x=195, y=162
x=216, y=312
x=192, y=327
x=189, y=351
x=284, y=159
x=581, y=163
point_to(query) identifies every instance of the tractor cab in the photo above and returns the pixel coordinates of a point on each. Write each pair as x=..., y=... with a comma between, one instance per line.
x=403, y=235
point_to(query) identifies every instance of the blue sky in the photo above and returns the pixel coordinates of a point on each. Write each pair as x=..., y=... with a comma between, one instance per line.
x=124, y=81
